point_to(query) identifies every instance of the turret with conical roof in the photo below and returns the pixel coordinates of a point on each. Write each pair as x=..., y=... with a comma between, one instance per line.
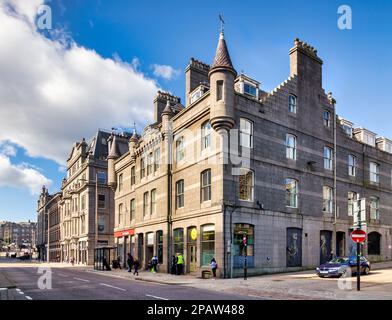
x=221, y=76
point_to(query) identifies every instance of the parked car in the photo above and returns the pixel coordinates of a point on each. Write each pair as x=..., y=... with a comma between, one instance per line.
x=24, y=256
x=339, y=267
x=12, y=254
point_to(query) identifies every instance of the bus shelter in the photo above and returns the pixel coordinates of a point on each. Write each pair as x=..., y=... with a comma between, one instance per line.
x=103, y=256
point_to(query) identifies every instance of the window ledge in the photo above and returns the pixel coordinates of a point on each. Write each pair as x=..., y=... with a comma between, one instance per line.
x=205, y=204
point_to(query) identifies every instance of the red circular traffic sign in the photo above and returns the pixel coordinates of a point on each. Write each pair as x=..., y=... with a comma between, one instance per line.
x=358, y=236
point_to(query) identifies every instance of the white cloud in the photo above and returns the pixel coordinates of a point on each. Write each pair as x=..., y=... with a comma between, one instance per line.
x=165, y=71
x=54, y=93
x=22, y=176
x=7, y=149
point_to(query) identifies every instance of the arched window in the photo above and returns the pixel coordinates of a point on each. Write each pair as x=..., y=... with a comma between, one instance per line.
x=246, y=133
x=205, y=135
x=207, y=244
x=292, y=103
x=374, y=239
x=178, y=241
x=291, y=193
x=291, y=146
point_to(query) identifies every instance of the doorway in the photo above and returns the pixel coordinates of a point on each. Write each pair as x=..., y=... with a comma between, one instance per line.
x=192, y=257
x=340, y=244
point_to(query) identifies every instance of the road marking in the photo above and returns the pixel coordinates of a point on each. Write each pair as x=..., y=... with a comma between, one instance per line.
x=29, y=298
x=63, y=275
x=2, y=289
x=108, y=285
x=156, y=297
x=84, y=280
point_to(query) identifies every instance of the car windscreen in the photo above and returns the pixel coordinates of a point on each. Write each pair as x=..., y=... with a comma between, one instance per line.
x=338, y=260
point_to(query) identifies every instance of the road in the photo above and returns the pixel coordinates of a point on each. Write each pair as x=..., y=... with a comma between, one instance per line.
x=74, y=284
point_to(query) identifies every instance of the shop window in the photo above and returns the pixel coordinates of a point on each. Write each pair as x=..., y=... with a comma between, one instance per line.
x=207, y=244
x=178, y=241
x=239, y=249
x=159, y=240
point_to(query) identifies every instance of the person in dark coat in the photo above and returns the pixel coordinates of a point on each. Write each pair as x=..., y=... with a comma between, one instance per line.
x=130, y=262
x=136, y=265
x=173, y=265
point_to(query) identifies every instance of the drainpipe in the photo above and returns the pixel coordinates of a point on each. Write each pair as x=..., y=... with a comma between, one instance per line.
x=335, y=209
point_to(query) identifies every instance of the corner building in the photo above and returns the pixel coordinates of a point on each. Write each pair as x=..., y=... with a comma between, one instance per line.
x=279, y=168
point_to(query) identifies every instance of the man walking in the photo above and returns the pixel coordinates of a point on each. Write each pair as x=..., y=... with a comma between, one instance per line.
x=180, y=263
x=130, y=262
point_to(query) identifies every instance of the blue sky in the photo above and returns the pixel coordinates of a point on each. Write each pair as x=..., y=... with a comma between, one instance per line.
x=259, y=35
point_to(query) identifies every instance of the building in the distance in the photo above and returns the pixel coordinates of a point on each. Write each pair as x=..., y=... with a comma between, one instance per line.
x=277, y=170
x=87, y=205
x=22, y=234
x=54, y=228
x=44, y=206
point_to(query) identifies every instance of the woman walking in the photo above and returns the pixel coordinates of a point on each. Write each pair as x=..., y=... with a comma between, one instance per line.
x=214, y=266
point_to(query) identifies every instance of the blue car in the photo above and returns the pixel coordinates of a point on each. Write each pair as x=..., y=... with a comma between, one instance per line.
x=338, y=267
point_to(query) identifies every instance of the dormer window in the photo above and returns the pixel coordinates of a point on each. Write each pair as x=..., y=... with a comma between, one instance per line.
x=247, y=86
x=250, y=89
x=348, y=130
x=195, y=96
x=347, y=126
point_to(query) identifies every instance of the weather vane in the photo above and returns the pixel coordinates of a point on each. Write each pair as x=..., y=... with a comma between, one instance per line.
x=222, y=22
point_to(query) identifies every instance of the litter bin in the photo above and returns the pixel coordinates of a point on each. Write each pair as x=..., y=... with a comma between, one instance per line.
x=206, y=274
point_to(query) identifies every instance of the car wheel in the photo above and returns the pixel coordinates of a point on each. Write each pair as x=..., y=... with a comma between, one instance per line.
x=366, y=271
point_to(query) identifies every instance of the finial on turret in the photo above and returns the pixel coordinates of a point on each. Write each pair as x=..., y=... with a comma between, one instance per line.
x=222, y=29
x=331, y=98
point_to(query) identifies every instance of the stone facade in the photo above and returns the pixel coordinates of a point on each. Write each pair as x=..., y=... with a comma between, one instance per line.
x=85, y=196
x=180, y=189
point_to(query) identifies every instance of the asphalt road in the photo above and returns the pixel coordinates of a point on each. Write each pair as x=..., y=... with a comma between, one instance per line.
x=74, y=284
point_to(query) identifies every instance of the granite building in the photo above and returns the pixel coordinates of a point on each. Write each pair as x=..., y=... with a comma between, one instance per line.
x=278, y=170
x=86, y=206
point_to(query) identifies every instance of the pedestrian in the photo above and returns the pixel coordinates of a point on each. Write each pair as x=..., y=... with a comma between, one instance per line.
x=154, y=264
x=72, y=261
x=173, y=265
x=136, y=265
x=332, y=256
x=130, y=262
x=214, y=266
x=119, y=262
x=180, y=263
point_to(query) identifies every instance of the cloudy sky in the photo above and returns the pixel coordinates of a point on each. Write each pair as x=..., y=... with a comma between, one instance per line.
x=103, y=61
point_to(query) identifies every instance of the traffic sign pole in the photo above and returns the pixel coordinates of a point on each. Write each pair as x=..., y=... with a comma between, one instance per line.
x=358, y=267
x=244, y=241
x=358, y=236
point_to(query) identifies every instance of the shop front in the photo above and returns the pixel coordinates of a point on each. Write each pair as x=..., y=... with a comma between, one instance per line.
x=124, y=240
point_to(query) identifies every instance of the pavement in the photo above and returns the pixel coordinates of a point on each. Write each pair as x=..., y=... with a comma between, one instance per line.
x=92, y=284
x=304, y=285
x=46, y=282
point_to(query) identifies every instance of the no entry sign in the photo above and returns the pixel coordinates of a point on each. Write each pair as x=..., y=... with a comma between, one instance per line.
x=358, y=236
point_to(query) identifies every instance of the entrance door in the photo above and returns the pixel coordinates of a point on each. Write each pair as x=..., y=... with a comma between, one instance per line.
x=340, y=244
x=149, y=254
x=325, y=246
x=192, y=258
